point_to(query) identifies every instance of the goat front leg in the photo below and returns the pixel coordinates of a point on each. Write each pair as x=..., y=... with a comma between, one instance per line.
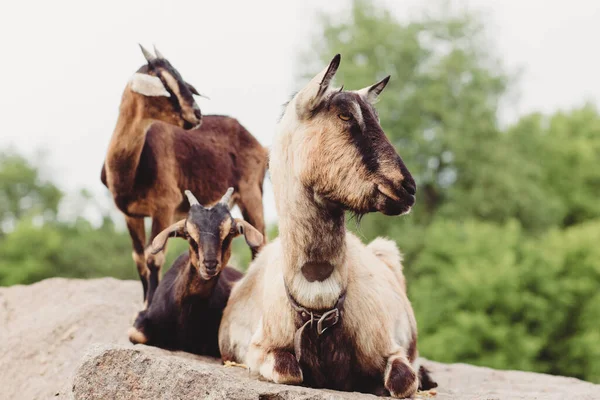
x=160, y=221
x=274, y=364
x=400, y=378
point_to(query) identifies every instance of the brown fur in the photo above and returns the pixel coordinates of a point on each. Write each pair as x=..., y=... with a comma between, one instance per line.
x=317, y=271
x=188, y=304
x=151, y=159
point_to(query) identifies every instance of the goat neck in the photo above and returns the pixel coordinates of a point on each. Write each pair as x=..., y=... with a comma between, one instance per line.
x=312, y=236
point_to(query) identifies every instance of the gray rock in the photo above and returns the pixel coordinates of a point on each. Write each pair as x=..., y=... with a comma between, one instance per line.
x=64, y=338
x=141, y=372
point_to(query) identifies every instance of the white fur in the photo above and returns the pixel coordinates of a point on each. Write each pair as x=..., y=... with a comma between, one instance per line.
x=148, y=85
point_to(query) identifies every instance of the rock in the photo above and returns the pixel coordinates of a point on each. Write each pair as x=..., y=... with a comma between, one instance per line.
x=141, y=372
x=67, y=338
x=45, y=329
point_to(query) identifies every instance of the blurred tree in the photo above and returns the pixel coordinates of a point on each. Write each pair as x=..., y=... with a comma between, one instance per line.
x=78, y=250
x=487, y=294
x=23, y=192
x=564, y=148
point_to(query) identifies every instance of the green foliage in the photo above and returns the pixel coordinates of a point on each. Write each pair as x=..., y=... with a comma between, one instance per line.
x=565, y=149
x=23, y=193
x=488, y=294
x=33, y=252
x=501, y=250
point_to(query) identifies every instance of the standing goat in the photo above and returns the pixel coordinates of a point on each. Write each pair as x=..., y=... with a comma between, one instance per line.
x=151, y=159
x=318, y=306
x=189, y=302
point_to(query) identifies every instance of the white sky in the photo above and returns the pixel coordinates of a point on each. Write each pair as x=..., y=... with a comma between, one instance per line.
x=64, y=64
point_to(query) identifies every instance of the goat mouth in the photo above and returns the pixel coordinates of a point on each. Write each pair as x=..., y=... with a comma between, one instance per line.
x=209, y=274
x=392, y=204
x=387, y=192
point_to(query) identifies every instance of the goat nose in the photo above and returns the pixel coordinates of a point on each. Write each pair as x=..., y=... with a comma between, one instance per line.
x=211, y=265
x=409, y=186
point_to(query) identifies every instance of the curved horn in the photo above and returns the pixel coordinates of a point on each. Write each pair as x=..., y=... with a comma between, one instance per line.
x=226, y=197
x=158, y=53
x=147, y=55
x=192, y=199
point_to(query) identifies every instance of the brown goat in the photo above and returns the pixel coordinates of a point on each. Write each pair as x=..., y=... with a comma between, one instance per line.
x=188, y=304
x=152, y=158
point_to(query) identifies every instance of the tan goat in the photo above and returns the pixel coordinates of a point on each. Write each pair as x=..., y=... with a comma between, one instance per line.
x=317, y=306
x=152, y=159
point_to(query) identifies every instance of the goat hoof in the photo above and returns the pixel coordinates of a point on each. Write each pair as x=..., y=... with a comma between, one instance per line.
x=286, y=369
x=136, y=336
x=400, y=379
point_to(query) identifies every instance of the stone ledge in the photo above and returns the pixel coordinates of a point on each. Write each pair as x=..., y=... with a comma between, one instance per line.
x=142, y=372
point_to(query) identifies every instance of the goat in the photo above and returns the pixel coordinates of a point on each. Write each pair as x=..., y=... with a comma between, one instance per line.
x=317, y=306
x=151, y=158
x=189, y=301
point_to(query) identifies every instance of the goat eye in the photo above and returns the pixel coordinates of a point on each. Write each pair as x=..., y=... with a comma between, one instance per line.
x=345, y=117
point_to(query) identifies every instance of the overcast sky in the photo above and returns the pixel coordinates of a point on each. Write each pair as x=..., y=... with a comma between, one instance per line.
x=65, y=64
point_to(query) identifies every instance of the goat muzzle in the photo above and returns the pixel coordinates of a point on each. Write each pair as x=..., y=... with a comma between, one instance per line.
x=211, y=267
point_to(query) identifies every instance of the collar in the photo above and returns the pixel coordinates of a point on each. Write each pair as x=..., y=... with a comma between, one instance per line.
x=325, y=318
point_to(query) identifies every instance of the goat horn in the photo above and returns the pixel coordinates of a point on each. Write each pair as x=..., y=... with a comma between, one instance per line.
x=158, y=53
x=192, y=199
x=147, y=55
x=226, y=197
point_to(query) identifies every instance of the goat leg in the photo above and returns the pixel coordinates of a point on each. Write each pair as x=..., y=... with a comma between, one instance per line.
x=275, y=365
x=400, y=378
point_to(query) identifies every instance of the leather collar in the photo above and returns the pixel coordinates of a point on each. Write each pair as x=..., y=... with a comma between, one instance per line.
x=324, y=319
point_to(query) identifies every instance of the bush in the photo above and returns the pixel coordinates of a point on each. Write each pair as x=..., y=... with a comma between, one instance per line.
x=489, y=295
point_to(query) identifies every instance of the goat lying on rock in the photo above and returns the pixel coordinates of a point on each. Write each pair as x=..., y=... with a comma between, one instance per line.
x=189, y=302
x=317, y=306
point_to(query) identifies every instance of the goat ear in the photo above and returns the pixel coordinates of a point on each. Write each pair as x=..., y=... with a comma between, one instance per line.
x=148, y=85
x=175, y=230
x=253, y=237
x=312, y=94
x=371, y=93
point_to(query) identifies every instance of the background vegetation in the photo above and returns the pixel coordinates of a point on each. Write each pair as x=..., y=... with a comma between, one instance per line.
x=501, y=251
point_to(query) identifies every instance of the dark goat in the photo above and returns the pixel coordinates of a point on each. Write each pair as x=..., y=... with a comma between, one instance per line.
x=152, y=158
x=189, y=302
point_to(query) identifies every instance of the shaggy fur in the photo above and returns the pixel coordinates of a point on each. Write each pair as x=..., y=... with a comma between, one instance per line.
x=329, y=155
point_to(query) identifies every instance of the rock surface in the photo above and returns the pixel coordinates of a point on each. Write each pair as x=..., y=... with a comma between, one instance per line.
x=65, y=338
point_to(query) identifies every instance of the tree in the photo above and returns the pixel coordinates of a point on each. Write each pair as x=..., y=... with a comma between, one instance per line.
x=23, y=192
x=565, y=149
x=491, y=295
